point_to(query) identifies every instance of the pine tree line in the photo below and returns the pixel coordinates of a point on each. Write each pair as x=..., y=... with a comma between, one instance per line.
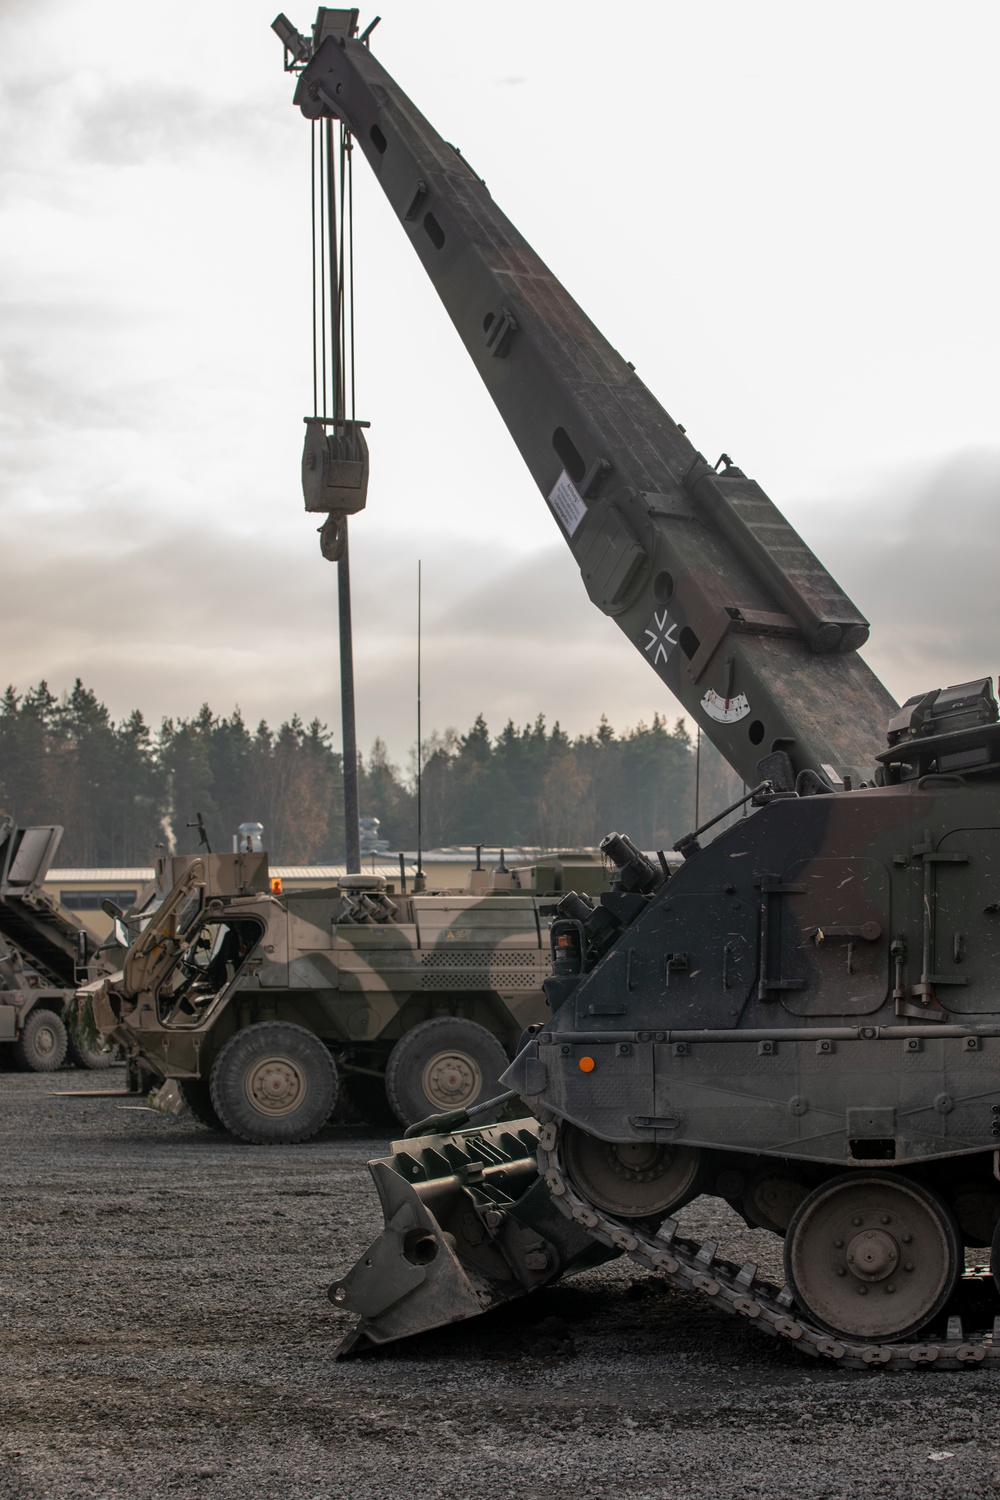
x=121, y=789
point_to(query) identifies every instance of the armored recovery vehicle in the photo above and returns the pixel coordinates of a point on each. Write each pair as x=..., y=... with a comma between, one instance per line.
x=45, y=953
x=804, y=1020
x=263, y=1003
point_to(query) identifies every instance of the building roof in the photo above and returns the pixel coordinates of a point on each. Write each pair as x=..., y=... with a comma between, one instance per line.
x=458, y=854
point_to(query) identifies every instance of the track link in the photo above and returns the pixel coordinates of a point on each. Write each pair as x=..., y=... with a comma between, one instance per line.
x=740, y=1290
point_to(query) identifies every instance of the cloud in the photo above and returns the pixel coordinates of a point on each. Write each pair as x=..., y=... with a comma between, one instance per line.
x=922, y=559
x=163, y=617
x=128, y=123
x=154, y=315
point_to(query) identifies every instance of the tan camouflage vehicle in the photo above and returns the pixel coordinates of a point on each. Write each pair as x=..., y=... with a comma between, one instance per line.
x=272, y=1009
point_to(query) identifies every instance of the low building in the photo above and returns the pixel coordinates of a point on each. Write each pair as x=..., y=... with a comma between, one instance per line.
x=84, y=891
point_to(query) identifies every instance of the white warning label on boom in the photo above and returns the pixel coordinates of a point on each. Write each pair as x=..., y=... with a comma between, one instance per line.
x=566, y=504
x=725, y=710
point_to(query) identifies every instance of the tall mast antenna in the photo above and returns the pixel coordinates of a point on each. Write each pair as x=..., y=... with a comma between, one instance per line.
x=697, y=776
x=418, y=882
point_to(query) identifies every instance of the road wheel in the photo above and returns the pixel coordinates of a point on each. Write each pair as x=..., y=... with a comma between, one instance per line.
x=443, y=1064
x=274, y=1084
x=872, y=1255
x=633, y=1179
x=41, y=1047
x=197, y=1095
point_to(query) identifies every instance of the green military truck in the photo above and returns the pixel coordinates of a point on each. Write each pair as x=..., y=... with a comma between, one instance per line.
x=273, y=1008
x=45, y=953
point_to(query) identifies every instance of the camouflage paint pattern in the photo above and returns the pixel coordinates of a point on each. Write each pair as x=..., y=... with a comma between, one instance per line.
x=321, y=959
x=771, y=997
x=814, y=991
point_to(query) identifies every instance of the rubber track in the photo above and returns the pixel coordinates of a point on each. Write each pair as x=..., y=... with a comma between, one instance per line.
x=694, y=1267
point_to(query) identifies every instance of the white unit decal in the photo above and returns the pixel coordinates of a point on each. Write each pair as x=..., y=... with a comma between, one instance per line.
x=661, y=637
x=567, y=507
x=725, y=710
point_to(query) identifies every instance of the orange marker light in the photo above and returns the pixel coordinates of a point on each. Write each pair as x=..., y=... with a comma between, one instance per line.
x=587, y=1065
x=275, y=885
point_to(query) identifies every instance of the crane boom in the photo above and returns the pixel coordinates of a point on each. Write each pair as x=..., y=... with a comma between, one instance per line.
x=697, y=567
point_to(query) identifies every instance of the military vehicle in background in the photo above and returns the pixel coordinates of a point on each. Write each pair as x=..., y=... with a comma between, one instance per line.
x=45, y=953
x=270, y=1006
x=804, y=1020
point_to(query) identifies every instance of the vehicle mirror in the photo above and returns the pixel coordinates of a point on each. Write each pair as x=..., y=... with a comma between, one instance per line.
x=121, y=933
x=111, y=908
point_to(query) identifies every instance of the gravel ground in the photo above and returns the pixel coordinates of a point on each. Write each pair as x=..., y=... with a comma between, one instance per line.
x=166, y=1333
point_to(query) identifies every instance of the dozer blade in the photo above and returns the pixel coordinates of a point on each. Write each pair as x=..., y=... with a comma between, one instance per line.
x=469, y=1224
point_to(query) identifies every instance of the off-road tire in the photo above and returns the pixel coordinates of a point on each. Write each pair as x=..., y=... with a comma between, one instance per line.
x=90, y=1057
x=41, y=1047
x=443, y=1064
x=274, y=1084
x=197, y=1095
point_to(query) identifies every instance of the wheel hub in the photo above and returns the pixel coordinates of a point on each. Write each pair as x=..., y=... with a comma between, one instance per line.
x=636, y=1162
x=45, y=1040
x=451, y=1080
x=873, y=1254
x=635, y=1179
x=275, y=1086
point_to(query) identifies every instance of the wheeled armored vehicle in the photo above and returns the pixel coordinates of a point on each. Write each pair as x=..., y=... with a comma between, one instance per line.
x=273, y=1008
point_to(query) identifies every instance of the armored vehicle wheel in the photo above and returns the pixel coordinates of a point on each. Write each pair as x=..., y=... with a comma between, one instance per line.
x=873, y=1256
x=82, y=1056
x=41, y=1047
x=274, y=1084
x=443, y=1064
x=634, y=1179
x=197, y=1095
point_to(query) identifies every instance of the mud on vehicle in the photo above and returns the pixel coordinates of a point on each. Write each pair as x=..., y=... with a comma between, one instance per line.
x=275, y=1010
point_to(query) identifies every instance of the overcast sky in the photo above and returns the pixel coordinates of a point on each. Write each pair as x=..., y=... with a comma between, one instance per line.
x=785, y=215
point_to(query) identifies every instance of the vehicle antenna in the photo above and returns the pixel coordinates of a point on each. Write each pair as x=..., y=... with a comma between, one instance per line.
x=697, y=776
x=418, y=880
